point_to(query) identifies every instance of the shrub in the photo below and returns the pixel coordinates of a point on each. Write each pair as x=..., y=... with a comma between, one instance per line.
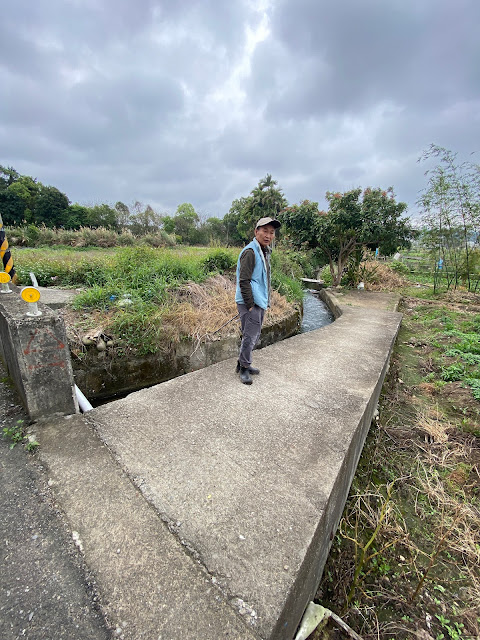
x=138, y=326
x=100, y=237
x=159, y=239
x=289, y=287
x=126, y=238
x=326, y=275
x=219, y=260
x=285, y=262
x=25, y=236
x=399, y=267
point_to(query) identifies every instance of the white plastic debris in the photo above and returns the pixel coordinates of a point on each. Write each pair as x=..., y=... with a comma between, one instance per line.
x=312, y=617
x=125, y=300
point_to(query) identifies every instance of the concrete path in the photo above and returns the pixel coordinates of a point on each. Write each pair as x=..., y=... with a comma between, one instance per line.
x=53, y=297
x=205, y=508
x=57, y=298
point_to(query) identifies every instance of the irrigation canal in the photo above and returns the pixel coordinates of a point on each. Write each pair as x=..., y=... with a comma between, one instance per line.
x=316, y=314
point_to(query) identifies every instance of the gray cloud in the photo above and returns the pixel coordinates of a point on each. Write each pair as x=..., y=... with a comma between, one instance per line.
x=358, y=53
x=167, y=102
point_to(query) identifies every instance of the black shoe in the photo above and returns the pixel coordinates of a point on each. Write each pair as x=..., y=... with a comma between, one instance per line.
x=245, y=375
x=252, y=370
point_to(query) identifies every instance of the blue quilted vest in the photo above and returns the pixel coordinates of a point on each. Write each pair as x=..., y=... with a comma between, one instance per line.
x=259, y=280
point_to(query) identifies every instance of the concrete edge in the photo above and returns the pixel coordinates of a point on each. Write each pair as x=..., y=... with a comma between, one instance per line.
x=311, y=570
x=331, y=303
x=36, y=354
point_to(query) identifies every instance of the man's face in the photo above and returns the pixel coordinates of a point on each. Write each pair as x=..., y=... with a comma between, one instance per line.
x=265, y=234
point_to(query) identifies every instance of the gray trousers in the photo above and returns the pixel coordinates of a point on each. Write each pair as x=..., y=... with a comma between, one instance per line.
x=251, y=322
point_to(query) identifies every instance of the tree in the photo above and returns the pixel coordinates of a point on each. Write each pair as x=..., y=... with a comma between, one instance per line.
x=8, y=176
x=102, y=215
x=451, y=212
x=353, y=220
x=186, y=223
x=144, y=220
x=265, y=200
x=212, y=230
x=51, y=207
x=301, y=225
x=231, y=220
x=27, y=189
x=351, y=223
x=77, y=216
x=123, y=214
x=12, y=207
x=168, y=224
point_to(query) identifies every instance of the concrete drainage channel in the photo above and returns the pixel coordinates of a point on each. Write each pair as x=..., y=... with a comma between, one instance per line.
x=103, y=376
x=210, y=510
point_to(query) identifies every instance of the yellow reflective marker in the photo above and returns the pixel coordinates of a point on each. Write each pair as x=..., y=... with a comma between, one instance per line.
x=4, y=277
x=30, y=294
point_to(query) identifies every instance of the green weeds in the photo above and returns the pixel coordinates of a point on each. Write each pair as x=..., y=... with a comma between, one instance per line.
x=17, y=433
x=399, y=555
x=219, y=261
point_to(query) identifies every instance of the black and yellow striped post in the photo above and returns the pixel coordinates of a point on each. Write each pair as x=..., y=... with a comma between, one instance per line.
x=5, y=254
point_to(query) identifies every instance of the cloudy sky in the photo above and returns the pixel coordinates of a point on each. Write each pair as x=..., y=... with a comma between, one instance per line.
x=171, y=101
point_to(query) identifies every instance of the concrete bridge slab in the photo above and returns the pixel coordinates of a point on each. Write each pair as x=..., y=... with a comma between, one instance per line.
x=242, y=487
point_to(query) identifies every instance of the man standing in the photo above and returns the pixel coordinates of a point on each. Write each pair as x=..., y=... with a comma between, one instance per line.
x=253, y=292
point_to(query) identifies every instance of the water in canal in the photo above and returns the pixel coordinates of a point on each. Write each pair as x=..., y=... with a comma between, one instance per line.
x=316, y=314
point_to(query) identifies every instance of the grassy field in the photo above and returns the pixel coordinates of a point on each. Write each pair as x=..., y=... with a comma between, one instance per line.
x=405, y=562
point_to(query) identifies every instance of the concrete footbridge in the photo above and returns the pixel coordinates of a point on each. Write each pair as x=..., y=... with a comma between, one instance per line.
x=205, y=508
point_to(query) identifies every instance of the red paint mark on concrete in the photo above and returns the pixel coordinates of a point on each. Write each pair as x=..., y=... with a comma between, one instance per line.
x=39, y=341
x=45, y=365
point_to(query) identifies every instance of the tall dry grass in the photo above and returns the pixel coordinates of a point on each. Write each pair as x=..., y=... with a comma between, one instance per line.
x=201, y=309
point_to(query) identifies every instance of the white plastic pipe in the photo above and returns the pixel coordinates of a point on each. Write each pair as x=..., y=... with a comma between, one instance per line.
x=83, y=403
x=33, y=279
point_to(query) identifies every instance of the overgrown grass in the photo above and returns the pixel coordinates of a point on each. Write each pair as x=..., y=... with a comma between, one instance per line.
x=136, y=288
x=130, y=268
x=405, y=562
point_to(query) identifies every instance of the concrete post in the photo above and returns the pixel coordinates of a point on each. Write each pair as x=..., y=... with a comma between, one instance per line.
x=35, y=351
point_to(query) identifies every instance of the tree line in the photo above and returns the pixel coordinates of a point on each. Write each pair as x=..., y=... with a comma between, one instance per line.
x=451, y=218
x=25, y=200
x=355, y=220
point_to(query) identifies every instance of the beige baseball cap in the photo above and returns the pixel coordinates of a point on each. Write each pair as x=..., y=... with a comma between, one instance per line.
x=263, y=221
